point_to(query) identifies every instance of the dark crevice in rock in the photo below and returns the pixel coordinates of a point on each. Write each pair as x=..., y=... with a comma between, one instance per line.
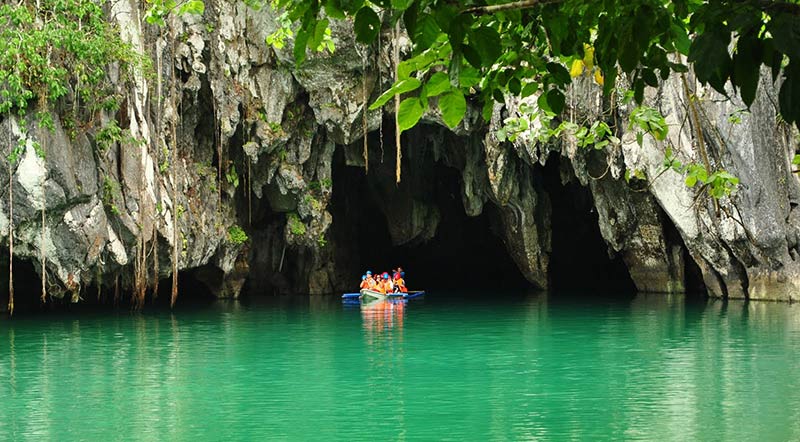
x=27, y=284
x=461, y=252
x=692, y=275
x=580, y=258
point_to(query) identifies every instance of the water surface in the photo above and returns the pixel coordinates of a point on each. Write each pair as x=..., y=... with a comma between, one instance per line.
x=444, y=367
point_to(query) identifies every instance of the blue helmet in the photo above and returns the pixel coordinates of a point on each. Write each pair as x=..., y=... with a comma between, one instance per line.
x=369, y=272
x=363, y=277
x=402, y=274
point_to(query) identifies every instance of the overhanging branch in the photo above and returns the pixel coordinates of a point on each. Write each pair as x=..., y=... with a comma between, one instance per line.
x=491, y=9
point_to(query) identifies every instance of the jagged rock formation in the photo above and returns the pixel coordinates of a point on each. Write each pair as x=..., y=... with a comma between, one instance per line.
x=242, y=113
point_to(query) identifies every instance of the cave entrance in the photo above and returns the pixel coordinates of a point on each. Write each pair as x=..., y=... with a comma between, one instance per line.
x=580, y=261
x=464, y=252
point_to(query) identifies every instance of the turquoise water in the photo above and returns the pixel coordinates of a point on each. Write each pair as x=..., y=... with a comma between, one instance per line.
x=439, y=368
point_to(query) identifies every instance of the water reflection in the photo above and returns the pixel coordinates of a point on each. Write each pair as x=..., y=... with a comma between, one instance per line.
x=383, y=315
x=525, y=367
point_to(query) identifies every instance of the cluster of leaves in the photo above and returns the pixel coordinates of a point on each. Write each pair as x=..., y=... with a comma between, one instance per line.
x=50, y=47
x=718, y=183
x=296, y=226
x=494, y=48
x=160, y=9
x=644, y=120
x=598, y=135
x=236, y=235
x=321, y=41
x=231, y=176
x=110, y=194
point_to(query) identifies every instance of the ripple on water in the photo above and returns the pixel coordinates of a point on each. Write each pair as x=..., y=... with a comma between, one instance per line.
x=444, y=368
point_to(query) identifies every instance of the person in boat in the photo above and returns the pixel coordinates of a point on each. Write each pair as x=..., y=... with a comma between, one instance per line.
x=397, y=273
x=372, y=284
x=364, y=282
x=400, y=284
x=386, y=286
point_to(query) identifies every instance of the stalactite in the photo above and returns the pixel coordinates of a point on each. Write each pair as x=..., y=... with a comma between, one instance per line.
x=396, y=49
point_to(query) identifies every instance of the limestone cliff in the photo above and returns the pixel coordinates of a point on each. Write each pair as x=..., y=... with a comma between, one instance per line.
x=226, y=131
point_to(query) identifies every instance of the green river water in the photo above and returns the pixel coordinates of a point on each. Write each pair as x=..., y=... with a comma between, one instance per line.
x=445, y=367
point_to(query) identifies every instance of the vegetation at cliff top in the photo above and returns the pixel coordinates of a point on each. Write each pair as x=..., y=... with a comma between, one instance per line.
x=49, y=48
x=494, y=48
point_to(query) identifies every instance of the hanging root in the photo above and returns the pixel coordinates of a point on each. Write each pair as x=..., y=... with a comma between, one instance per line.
x=397, y=102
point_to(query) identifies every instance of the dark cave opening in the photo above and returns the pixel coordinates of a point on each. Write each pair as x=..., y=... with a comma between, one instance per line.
x=464, y=252
x=580, y=261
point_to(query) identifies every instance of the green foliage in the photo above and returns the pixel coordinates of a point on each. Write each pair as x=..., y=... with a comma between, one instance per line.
x=231, y=176
x=719, y=183
x=236, y=235
x=520, y=48
x=108, y=136
x=319, y=38
x=48, y=46
x=296, y=226
x=648, y=120
x=110, y=194
x=16, y=152
x=160, y=9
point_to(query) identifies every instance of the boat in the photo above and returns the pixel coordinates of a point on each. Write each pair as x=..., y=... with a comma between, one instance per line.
x=371, y=294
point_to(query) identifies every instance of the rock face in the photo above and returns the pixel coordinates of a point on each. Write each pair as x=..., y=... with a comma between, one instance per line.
x=228, y=132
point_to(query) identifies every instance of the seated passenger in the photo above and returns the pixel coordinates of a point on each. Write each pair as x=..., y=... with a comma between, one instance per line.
x=364, y=282
x=400, y=284
x=387, y=284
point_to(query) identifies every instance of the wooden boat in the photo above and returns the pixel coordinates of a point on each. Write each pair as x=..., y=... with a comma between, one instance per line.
x=371, y=294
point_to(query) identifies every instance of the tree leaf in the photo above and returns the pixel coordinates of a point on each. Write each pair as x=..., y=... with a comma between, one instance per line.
x=745, y=71
x=401, y=5
x=785, y=30
x=367, y=25
x=319, y=33
x=709, y=53
x=400, y=87
x=469, y=77
x=196, y=7
x=334, y=10
x=486, y=41
x=555, y=101
x=300, y=44
x=453, y=107
x=410, y=112
x=559, y=72
x=427, y=31
x=472, y=56
x=438, y=84
x=529, y=89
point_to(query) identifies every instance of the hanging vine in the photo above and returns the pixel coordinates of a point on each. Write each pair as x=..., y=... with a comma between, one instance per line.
x=174, y=172
x=365, y=105
x=396, y=50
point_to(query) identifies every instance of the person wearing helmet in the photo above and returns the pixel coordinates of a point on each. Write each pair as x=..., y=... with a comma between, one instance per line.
x=364, y=282
x=400, y=284
x=387, y=283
